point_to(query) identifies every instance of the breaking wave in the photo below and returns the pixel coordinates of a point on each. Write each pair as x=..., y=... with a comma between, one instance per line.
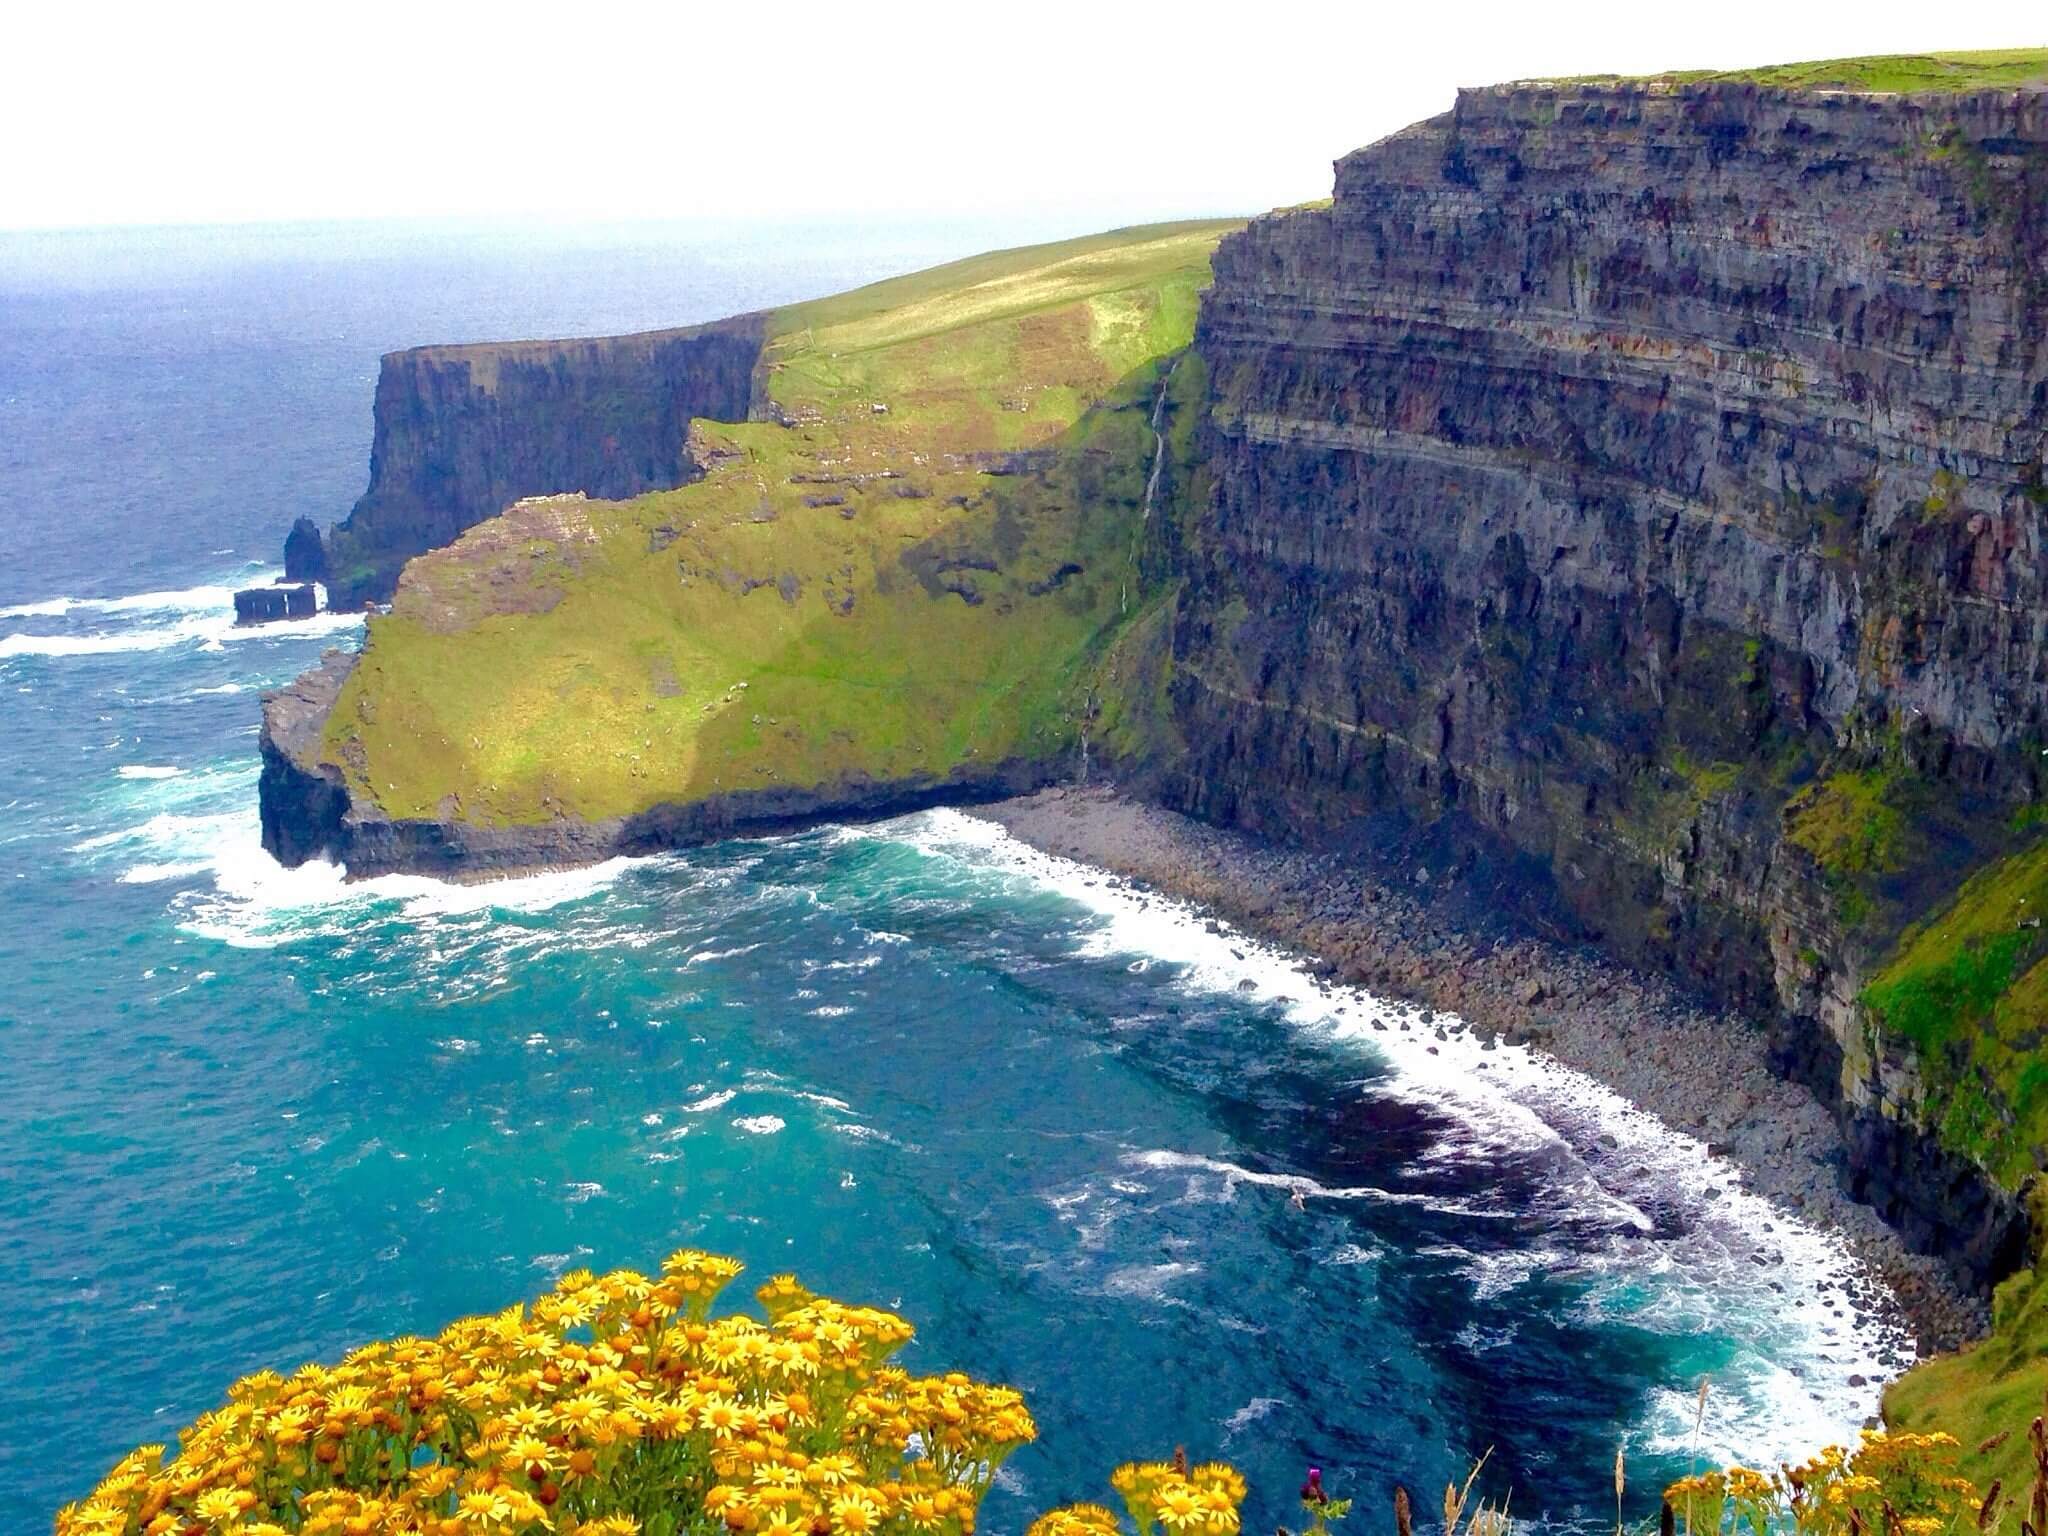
x=1807, y=1367
x=201, y=617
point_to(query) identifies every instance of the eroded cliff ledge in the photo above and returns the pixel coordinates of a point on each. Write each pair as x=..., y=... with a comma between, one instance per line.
x=1650, y=476
x=891, y=579
x=461, y=432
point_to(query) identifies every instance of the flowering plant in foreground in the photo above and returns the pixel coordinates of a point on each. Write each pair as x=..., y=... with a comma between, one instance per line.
x=616, y=1406
x=1892, y=1485
x=1167, y=1497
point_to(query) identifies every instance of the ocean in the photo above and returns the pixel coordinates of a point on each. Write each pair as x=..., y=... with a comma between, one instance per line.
x=1090, y=1143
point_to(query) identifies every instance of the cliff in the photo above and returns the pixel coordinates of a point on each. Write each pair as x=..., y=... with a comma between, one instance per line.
x=1648, y=477
x=1643, y=480
x=309, y=810
x=893, y=585
x=461, y=432
x=1645, y=477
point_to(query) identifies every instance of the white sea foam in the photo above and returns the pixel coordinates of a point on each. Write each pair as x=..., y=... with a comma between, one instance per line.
x=153, y=874
x=1297, y=1185
x=145, y=771
x=20, y=644
x=760, y=1125
x=706, y=956
x=1352, y=1253
x=48, y=608
x=1250, y=1414
x=202, y=616
x=1786, y=1390
x=1146, y=1281
x=855, y=1131
x=252, y=901
x=139, y=602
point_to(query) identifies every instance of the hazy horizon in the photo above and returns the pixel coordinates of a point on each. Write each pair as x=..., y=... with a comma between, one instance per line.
x=237, y=114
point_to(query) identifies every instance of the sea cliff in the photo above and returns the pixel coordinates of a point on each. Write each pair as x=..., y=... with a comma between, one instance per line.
x=461, y=432
x=1649, y=476
x=1638, y=484
x=887, y=572
x=308, y=811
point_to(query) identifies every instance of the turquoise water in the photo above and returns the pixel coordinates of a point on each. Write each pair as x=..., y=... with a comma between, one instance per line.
x=1141, y=1169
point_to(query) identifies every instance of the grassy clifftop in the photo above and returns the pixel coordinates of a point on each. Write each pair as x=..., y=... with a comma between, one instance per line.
x=909, y=571
x=1885, y=74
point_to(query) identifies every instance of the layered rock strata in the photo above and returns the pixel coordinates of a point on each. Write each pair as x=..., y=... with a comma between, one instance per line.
x=1605, y=469
x=464, y=431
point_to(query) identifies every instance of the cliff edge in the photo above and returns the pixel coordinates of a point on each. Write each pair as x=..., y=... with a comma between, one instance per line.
x=898, y=582
x=461, y=432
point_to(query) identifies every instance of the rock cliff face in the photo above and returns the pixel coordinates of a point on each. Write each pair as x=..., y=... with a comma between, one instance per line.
x=1643, y=480
x=464, y=431
x=1650, y=477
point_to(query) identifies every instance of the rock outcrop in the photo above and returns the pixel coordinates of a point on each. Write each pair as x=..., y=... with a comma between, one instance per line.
x=461, y=432
x=279, y=601
x=305, y=556
x=1633, y=474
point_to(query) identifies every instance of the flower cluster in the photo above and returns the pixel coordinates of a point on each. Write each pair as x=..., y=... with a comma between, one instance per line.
x=1168, y=1497
x=616, y=1406
x=1898, y=1483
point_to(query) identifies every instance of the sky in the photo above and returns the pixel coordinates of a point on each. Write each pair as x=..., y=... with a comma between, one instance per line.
x=203, y=112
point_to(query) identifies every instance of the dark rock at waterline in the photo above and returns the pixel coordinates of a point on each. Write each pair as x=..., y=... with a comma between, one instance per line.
x=305, y=557
x=270, y=605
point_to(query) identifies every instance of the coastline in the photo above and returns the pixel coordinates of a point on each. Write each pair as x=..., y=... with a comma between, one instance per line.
x=1701, y=1071
x=307, y=812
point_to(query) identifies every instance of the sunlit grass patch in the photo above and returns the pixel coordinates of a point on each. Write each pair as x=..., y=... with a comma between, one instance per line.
x=912, y=573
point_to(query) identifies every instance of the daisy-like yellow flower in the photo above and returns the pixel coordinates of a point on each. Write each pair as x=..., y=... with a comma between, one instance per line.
x=522, y=1415
x=855, y=1513
x=721, y=1417
x=1180, y=1507
x=484, y=1506
x=222, y=1504
x=1075, y=1520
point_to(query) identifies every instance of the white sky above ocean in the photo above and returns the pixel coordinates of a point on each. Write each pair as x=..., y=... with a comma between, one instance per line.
x=214, y=112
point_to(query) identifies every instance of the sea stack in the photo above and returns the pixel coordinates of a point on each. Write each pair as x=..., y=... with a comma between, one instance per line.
x=273, y=604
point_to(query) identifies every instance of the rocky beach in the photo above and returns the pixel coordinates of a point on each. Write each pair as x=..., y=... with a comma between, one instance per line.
x=1404, y=931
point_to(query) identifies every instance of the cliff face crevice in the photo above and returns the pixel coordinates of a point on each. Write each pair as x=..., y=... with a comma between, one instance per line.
x=461, y=432
x=1631, y=474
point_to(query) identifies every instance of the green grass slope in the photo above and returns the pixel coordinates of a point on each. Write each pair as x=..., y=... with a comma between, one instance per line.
x=1986, y=1395
x=1888, y=74
x=916, y=570
x=1968, y=986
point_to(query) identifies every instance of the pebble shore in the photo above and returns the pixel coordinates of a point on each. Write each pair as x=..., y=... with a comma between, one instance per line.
x=1372, y=923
